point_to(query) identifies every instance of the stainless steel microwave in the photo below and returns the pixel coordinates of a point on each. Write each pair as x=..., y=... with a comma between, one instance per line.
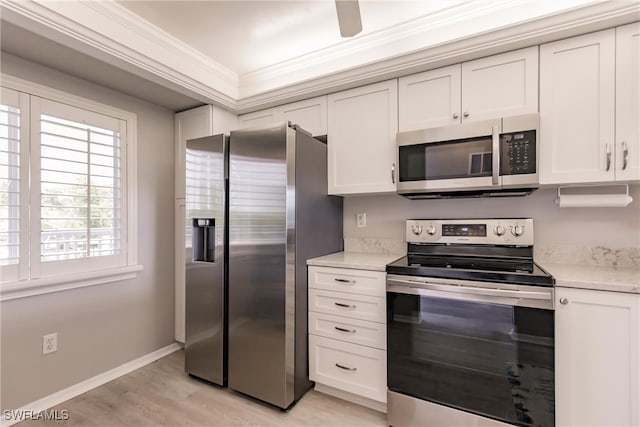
x=485, y=158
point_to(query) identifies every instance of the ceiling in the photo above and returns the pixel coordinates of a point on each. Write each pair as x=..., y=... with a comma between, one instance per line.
x=246, y=36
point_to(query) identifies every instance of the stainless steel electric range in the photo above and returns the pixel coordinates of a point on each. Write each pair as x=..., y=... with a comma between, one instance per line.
x=470, y=337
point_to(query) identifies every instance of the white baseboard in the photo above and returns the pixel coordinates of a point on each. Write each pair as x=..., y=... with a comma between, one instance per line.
x=86, y=385
x=353, y=398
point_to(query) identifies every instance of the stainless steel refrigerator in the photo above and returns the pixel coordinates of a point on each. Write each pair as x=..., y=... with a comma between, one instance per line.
x=279, y=216
x=206, y=258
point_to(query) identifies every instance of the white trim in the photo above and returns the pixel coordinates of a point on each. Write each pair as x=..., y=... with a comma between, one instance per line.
x=93, y=382
x=126, y=41
x=133, y=44
x=46, y=285
x=353, y=398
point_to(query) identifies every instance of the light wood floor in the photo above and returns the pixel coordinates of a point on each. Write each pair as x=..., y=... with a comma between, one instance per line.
x=162, y=394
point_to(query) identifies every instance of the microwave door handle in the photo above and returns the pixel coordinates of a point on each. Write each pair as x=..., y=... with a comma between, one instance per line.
x=495, y=156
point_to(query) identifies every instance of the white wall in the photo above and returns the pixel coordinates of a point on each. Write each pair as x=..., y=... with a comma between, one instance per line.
x=612, y=227
x=99, y=327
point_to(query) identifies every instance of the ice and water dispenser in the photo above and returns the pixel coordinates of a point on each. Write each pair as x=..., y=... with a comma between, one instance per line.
x=204, y=239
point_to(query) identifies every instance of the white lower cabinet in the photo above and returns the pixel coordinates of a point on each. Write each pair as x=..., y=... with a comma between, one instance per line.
x=347, y=334
x=350, y=367
x=355, y=331
x=597, y=358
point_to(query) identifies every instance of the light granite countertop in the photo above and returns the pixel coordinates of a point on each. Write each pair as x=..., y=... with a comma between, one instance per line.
x=602, y=278
x=356, y=260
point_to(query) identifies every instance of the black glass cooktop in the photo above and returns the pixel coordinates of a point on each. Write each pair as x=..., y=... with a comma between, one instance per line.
x=514, y=271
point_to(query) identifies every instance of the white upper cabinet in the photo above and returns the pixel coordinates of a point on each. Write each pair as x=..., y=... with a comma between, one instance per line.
x=597, y=350
x=577, y=109
x=362, y=125
x=487, y=88
x=429, y=99
x=257, y=118
x=628, y=102
x=500, y=85
x=310, y=114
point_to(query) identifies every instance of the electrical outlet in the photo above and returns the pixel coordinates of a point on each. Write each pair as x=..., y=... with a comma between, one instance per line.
x=49, y=343
x=361, y=220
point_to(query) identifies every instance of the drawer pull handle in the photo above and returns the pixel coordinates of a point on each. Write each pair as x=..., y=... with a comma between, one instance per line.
x=351, y=331
x=339, y=304
x=346, y=368
x=350, y=282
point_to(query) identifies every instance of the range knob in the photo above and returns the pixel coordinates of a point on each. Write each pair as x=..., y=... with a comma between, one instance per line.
x=517, y=230
x=499, y=230
x=417, y=230
x=431, y=230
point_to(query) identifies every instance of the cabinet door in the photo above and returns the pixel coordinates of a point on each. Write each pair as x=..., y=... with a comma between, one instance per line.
x=577, y=107
x=597, y=358
x=310, y=114
x=353, y=368
x=257, y=118
x=628, y=102
x=189, y=124
x=500, y=85
x=429, y=99
x=363, y=124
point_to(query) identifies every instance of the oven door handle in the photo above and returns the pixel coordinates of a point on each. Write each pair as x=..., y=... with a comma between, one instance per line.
x=542, y=299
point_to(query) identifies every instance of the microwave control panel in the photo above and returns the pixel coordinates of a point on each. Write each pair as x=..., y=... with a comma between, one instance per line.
x=518, y=153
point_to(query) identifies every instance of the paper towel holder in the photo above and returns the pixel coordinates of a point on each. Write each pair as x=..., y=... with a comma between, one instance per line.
x=594, y=200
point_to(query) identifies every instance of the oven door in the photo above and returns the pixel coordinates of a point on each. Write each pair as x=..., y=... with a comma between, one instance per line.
x=461, y=157
x=483, y=350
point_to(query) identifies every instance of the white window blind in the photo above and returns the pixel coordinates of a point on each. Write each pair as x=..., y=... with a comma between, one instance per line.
x=79, y=190
x=82, y=192
x=14, y=184
x=9, y=181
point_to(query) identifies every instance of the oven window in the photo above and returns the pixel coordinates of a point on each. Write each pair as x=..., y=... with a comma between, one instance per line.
x=446, y=160
x=489, y=359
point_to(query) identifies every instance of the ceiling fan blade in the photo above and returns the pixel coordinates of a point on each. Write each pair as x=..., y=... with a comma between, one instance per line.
x=348, y=17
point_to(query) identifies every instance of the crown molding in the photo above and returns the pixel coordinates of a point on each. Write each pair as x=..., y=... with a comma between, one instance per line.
x=123, y=39
x=570, y=23
x=460, y=33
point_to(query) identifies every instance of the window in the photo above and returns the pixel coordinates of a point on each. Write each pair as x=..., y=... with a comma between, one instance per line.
x=64, y=190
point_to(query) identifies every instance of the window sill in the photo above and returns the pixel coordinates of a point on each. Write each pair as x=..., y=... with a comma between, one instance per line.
x=28, y=288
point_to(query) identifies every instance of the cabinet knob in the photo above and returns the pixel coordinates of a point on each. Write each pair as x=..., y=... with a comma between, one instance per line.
x=466, y=114
x=564, y=301
x=456, y=115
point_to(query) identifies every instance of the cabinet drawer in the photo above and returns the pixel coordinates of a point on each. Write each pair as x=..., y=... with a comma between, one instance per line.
x=355, y=331
x=349, y=367
x=362, y=307
x=347, y=280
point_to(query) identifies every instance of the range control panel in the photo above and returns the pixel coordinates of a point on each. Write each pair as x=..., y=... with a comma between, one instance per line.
x=511, y=231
